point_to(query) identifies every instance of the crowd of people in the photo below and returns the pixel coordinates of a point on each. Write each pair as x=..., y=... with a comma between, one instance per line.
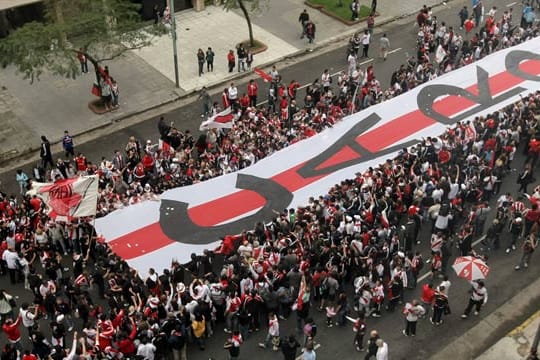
x=362, y=235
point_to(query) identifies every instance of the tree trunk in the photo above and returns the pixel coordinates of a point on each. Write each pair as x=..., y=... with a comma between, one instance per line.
x=59, y=17
x=246, y=15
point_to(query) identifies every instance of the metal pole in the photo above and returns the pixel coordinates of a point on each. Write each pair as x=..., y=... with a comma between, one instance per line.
x=175, y=52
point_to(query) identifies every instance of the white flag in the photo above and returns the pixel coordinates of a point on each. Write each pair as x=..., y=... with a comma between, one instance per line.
x=69, y=198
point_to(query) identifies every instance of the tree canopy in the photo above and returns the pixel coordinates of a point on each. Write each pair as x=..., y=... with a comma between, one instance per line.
x=103, y=29
x=246, y=6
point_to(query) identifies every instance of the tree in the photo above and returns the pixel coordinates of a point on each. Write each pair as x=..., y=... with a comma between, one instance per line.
x=100, y=29
x=254, y=5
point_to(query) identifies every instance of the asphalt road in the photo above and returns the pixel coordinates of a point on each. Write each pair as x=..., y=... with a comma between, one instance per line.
x=503, y=282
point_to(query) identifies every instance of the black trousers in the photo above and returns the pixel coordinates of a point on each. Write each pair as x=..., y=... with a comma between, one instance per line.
x=410, y=329
x=437, y=314
x=365, y=49
x=473, y=303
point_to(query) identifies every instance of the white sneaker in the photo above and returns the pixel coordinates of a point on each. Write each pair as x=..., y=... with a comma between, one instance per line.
x=516, y=267
x=508, y=251
x=525, y=265
x=476, y=313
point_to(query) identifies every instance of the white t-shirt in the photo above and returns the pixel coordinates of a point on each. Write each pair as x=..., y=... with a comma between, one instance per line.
x=147, y=351
x=27, y=317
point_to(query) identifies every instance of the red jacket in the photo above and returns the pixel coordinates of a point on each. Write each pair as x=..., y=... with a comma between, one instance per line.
x=252, y=89
x=428, y=294
x=12, y=330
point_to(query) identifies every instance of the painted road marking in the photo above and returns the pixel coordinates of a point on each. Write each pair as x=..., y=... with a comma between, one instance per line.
x=526, y=323
x=511, y=4
x=394, y=51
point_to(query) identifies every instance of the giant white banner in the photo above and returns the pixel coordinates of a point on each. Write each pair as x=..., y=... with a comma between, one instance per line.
x=191, y=219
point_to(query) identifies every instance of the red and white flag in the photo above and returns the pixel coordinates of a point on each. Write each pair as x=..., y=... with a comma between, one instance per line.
x=69, y=198
x=223, y=120
x=164, y=146
x=470, y=133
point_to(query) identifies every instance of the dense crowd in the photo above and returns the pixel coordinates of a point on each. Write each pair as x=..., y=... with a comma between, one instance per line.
x=363, y=234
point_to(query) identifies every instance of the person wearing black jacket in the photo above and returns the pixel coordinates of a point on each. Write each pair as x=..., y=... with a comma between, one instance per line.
x=45, y=153
x=289, y=347
x=372, y=345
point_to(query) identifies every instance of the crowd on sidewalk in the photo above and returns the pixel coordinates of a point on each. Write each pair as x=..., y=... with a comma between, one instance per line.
x=362, y=234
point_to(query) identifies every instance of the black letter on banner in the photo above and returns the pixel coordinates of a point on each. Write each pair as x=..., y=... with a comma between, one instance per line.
x=176, y=224
x=514, y=58
x=348, y=139
x=430, y=93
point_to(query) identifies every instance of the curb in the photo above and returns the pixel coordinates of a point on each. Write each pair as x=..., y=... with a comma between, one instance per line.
x=213, y=86
x=479, y=338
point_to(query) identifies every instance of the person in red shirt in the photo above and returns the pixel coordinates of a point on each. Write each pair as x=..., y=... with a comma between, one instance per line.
x=292, y=89
x=469, y=25
x=81, y=162
x=252, y=89
x=231, y=60
x=148, y=162
x=225, y=99
x=29, y=356
x=11, y=329
x=428, y=295
x=244, y=101
x=125, y=344
x=35, y=202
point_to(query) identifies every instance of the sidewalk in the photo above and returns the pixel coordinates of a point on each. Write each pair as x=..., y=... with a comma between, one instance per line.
x=146, y=77
x=517, y=344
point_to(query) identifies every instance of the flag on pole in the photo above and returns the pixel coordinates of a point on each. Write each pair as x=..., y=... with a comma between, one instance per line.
x=223, y=120
x=69, y=198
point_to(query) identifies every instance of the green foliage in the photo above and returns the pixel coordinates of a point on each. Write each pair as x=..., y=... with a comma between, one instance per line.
x=104, y=29
x=343, y=11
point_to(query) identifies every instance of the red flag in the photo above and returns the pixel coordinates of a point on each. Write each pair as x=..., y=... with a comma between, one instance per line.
x=264, y=75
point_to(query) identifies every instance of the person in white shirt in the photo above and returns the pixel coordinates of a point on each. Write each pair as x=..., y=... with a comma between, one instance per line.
x=273, y=332
x=233, y=93
x=146, y=350
x=365, y=40
x=412, y=312
x=28, y=317
x=382, y=351
x=11, y=258
x=446, y=284
x=478, y=298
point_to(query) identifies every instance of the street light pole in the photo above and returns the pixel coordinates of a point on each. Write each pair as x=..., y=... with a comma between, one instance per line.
x=175, y=52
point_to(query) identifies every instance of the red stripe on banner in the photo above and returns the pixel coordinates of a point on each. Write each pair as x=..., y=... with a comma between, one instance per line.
x=224, y=118
x=143, y=241
x=151, y=238
x=225, y=208
x=292, y=181
x=341, y=156
x=394, y=131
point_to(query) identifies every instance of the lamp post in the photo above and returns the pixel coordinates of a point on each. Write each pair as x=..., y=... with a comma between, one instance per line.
x=175, y=52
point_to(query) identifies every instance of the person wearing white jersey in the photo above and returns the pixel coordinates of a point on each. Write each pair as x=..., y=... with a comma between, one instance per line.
x=479, y=297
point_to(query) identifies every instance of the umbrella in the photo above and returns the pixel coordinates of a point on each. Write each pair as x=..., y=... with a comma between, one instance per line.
x=470, y=268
